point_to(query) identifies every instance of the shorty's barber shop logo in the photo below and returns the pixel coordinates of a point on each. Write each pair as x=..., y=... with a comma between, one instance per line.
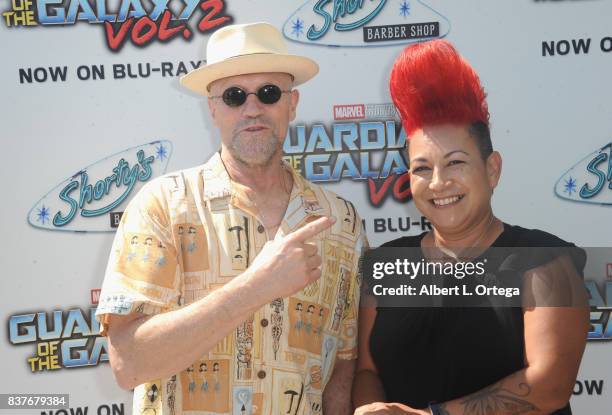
x=123, y=20
x=90, y=199
x=589, y=180
x=364, y=22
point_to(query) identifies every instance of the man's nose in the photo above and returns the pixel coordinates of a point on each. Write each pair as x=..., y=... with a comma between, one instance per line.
x=253, y=107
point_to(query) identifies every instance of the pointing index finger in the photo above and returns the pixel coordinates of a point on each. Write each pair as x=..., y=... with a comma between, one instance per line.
x=313, y=228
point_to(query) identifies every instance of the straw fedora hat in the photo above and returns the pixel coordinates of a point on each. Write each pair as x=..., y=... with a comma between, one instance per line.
x=247, y=48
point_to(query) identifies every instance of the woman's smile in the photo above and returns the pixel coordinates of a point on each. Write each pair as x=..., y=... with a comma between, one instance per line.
x=445, y=202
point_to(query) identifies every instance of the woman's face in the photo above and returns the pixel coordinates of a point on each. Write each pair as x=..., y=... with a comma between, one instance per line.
x=451, y=183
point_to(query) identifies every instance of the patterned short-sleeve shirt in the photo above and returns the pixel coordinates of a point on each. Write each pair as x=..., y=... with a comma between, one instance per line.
x=188, y=233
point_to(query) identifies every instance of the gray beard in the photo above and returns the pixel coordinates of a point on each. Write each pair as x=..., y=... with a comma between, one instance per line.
x=254, y=151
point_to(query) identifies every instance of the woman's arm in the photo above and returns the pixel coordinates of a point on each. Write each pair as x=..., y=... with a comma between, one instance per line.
x=367, y=386
x=555, y=338
x=554, y=342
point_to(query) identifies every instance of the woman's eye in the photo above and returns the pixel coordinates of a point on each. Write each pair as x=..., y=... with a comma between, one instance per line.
x=454, y=162
x=420, y=169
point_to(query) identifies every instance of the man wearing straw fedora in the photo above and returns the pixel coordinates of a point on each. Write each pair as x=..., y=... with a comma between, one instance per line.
x=232, y=286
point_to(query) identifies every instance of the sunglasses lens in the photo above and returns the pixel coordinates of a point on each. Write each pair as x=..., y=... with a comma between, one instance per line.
x=269, y=94
x=234, y=96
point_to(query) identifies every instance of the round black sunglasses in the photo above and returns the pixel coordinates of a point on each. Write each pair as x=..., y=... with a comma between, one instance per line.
x=235, y=96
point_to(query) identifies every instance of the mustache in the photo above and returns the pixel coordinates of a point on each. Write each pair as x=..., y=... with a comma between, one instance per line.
x=252, y=121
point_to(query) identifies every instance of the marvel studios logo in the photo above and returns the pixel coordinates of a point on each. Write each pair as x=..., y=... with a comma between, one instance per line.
x=95, y=295
x=364, y=111
x=349, y=112
x=401, y=32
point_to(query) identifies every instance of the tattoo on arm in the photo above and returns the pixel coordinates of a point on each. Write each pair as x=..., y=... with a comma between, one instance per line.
x=497, y=400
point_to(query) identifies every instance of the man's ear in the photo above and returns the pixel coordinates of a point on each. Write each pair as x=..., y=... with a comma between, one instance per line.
x=494, y=168
x=295, y=97
x=212, y=108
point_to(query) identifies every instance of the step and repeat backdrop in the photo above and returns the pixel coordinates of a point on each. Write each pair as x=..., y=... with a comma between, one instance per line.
x=91, y=109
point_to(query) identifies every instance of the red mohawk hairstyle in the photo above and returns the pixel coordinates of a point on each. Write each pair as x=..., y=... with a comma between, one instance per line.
x=432, y=84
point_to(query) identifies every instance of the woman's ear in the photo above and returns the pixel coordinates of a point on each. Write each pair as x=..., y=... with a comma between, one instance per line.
x=494, y=167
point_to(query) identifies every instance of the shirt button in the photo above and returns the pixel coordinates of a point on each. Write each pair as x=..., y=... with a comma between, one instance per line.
x=261, y=374
x=264, y=322
x=260, y=228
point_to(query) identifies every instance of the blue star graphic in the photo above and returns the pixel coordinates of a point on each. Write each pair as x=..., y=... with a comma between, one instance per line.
x=43, y=214
x=297, y=27
x=404, y=8
x=161, y=152
x=570, y=185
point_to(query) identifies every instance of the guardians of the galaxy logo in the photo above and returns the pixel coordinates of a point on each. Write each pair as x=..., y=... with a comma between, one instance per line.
x=372, y=151
x=123, y=20
x=601, y=307
x=62, y=339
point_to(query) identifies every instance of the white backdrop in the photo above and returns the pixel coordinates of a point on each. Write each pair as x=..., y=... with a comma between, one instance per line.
x=546, y=66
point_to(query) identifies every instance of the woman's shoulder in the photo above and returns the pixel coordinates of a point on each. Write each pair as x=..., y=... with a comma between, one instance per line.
x=405, y=241
x=515, y=235
x=512, y=236
x=551, y=246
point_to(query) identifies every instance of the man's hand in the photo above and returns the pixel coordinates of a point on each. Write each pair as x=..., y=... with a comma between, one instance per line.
x=384, y=408
x=135, y=342
x=290, y=263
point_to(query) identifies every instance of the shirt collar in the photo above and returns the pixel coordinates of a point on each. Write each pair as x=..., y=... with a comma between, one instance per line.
x=218, y=184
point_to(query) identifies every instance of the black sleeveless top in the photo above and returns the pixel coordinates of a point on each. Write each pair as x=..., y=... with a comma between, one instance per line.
x=428, y=355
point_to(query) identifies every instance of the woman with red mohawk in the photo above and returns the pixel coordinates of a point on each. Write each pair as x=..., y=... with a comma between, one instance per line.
x=462, y=360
